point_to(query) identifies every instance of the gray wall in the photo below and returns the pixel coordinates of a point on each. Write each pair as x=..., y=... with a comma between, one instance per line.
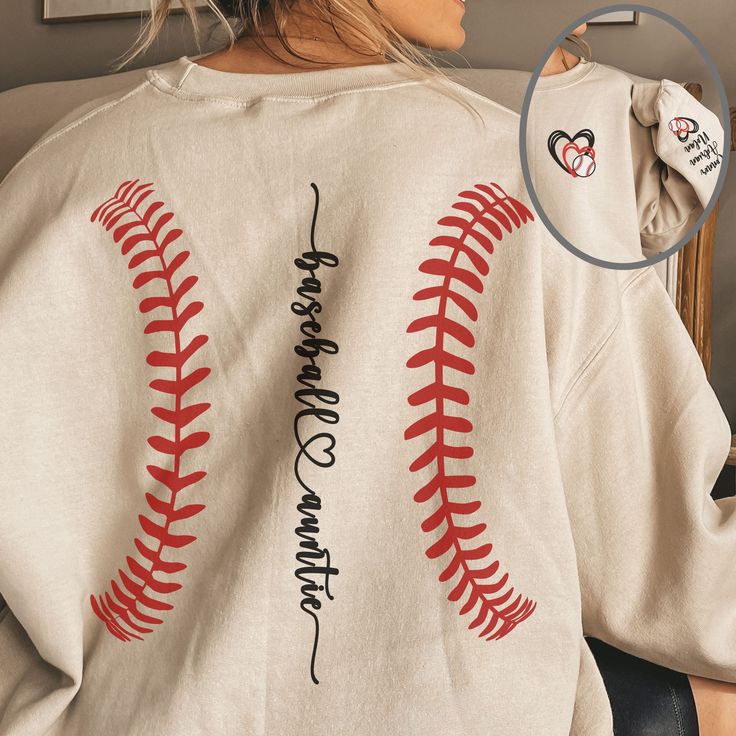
x=33, y=51
x=506, y=34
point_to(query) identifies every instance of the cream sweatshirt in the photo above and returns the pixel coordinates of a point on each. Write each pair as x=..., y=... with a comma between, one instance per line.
x=310, y=427
x=622, y=166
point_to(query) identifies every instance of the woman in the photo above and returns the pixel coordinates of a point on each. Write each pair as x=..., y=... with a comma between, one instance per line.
x=271, y=471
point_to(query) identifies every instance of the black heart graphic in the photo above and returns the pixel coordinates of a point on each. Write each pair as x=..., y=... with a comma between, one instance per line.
x=557, y=135
x=327, y=450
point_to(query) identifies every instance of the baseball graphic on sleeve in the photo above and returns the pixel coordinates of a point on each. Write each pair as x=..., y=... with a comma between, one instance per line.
x=683, y=127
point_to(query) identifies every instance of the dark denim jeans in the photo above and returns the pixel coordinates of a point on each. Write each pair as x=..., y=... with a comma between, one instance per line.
x=646, y=699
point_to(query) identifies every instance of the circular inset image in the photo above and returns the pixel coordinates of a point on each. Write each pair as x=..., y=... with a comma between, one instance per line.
x=624, y=164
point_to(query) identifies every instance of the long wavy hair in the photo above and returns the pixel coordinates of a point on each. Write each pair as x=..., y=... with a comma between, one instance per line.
x=357, y=18
x=349, y=19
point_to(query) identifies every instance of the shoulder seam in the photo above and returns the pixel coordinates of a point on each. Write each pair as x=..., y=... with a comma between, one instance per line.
x=598, y=346
x=483, y=98
x=73, y=124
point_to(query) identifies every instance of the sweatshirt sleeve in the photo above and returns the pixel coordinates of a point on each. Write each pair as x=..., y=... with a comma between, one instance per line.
x=641, y=440
x=42, y=549
x=678, y=153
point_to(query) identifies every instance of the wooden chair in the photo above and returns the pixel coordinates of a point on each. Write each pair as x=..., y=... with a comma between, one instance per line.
x=694, y=291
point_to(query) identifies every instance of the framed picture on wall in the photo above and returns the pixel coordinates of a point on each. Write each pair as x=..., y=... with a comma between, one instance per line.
x=616, y=18
x=70, y=10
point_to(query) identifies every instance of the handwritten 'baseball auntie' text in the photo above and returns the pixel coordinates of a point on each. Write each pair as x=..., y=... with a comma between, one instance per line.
x=316, y=447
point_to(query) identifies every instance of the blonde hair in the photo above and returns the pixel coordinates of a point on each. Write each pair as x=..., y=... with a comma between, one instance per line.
x=361, y=17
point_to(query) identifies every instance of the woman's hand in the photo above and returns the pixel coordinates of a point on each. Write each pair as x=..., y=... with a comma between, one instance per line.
x=562, y=60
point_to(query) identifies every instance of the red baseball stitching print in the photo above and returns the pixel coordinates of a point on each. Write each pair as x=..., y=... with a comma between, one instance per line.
x=121, y=612
x=490, y=209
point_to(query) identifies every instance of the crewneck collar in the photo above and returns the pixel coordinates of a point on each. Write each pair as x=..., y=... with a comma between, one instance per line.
x=183, y=77
x=566, y=78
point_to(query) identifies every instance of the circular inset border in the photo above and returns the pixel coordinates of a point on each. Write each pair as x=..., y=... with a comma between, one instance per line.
x=725, y=119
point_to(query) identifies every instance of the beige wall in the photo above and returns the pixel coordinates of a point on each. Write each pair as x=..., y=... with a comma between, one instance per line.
x=507, y=34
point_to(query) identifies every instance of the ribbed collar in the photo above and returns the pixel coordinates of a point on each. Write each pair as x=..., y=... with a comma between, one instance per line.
x=566, y=78
x=184, y=77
